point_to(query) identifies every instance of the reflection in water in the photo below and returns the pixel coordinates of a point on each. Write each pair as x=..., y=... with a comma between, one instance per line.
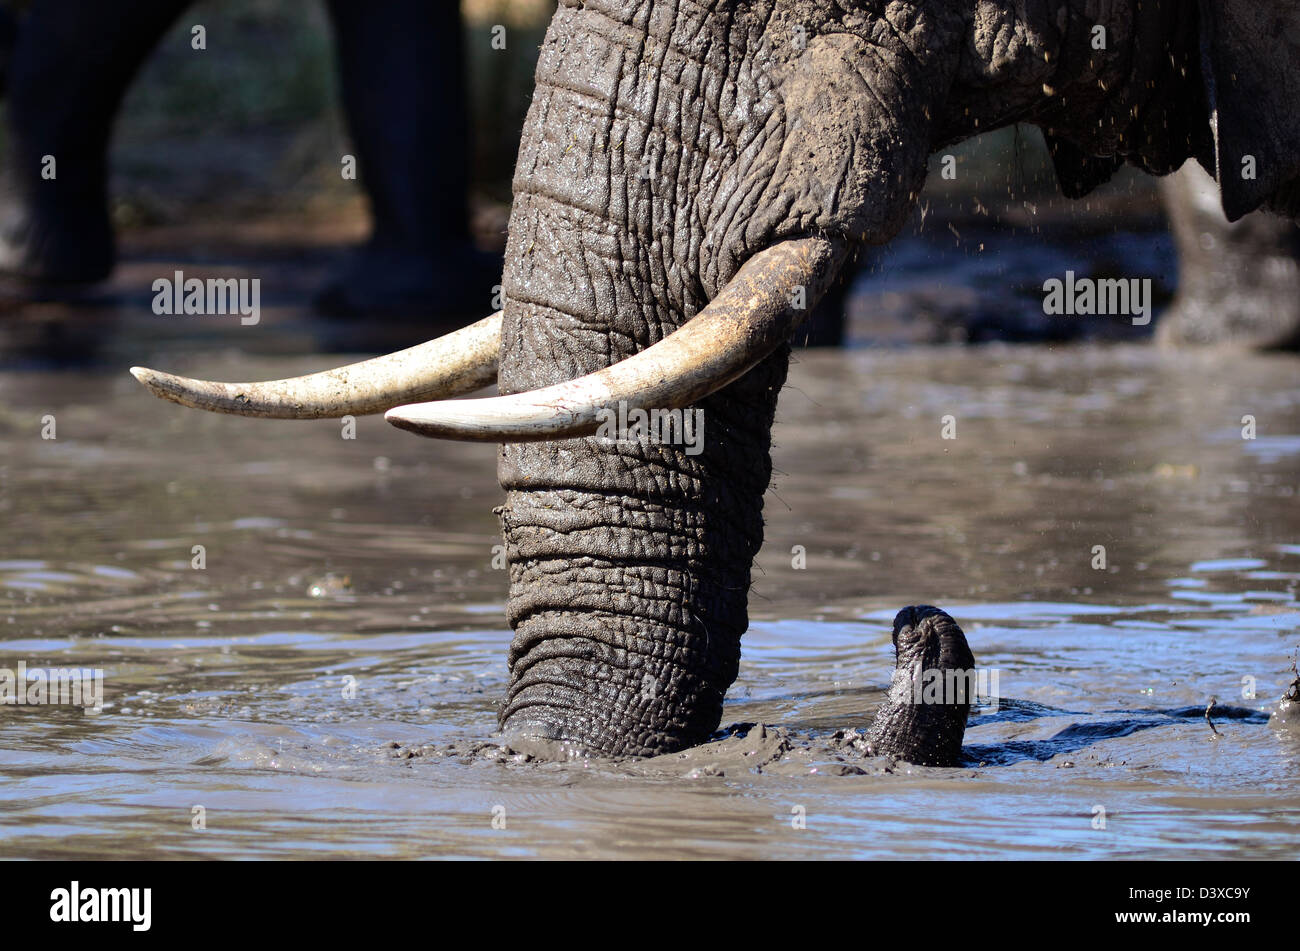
x=284, y=615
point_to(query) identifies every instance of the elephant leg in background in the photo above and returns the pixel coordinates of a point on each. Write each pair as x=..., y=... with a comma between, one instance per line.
x=1239, y=282
x=403, y=78
x=70, y=66
x=402, y=68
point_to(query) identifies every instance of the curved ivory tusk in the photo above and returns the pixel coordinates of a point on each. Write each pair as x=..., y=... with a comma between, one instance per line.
x=459, y=362
x=757, y=310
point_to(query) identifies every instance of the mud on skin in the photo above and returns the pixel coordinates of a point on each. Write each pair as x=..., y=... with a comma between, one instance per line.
x=739, y=748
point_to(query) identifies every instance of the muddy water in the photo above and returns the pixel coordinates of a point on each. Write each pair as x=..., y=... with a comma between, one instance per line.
x=318, y=688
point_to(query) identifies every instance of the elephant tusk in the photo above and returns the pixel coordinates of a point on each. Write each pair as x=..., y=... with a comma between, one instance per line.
x=459, y=362
x=758, y=309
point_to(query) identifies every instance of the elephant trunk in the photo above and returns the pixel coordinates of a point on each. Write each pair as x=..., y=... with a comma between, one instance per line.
x=629, y=574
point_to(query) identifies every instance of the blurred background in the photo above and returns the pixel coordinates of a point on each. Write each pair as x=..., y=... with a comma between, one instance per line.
x=253, y=129
x=226, y=161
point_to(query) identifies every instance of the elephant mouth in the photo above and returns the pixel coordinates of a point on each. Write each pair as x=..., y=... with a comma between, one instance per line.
x=758, y=309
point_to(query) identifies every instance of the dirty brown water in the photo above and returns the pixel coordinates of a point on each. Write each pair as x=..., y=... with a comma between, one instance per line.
x=369, y=561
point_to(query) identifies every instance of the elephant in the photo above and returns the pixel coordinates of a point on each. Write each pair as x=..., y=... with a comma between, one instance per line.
x=1240, y=281
x=66, y=65
x=690, y=179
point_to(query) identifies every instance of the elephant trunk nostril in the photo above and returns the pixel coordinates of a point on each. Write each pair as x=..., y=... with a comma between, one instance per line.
x=925, y=634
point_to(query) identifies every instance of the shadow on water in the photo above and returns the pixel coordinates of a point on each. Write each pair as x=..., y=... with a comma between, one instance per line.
x=1080, y=736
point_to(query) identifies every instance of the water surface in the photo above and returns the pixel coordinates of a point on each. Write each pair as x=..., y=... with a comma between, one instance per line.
x=349, y=616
